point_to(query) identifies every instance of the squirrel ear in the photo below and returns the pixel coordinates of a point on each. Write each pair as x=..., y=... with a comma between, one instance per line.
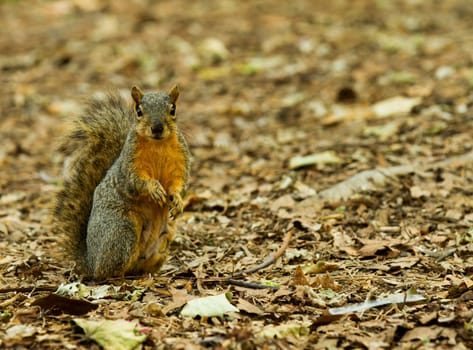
x=136, y=94
x=174, y=94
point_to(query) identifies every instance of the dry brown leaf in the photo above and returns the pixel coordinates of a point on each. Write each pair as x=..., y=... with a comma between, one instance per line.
x=325, y=282
x=179, y=298
x=430, y=334
x=379, y=247
x=285, y=201
x=299, y=278
x=404, y=262
x=244, y=305
x=56, y=304
x=418, y=192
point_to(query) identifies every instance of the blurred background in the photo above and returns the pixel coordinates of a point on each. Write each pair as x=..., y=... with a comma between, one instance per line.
x=256, y=75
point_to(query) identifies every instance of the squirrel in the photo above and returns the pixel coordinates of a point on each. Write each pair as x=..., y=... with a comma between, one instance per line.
x=125, y=179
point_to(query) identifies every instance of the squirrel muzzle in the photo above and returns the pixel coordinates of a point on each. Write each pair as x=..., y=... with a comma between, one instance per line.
x=157, y=131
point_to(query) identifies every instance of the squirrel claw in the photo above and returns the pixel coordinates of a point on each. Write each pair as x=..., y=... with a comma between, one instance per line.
x=176, y=205
x=158, y=194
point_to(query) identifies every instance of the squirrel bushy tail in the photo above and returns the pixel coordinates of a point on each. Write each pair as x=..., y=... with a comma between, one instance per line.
x=91, y=148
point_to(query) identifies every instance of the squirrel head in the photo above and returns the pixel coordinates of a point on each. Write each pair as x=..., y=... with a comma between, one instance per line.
x=155, y=112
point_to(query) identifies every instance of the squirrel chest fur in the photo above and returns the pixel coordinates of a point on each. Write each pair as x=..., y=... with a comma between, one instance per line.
x=118, y=206
x=162, y=160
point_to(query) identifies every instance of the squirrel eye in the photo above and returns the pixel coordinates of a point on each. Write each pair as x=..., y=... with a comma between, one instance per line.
x=172, y=111
x=139, y=112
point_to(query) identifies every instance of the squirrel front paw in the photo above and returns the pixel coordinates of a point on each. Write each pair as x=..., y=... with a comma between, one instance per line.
x=176, y=205
x=157, y=192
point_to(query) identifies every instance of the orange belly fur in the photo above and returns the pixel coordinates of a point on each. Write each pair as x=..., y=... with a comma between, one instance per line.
x=162, y=160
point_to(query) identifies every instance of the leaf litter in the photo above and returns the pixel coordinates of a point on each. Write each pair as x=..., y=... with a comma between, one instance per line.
x=351, y=133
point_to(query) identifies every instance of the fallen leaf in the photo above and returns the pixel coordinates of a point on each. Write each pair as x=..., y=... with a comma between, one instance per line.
x=444, y=72
x=324, y=281
x=454, y=214
x=57, y=304
x=395, y=105
x=347, y=113
x=19, y=331
x=284, y=330
x=343, y=241
x=299, y=277
x=154, y=309
x=324, y=158
x=304, y=191
x=248, y=307
x=179, y=298
x=383, y=132
x=326, y=318
x=293, y=99
x=112, y=334
x=285, y=201
x=418, y=192
x=215, y=305
x=428, y=317
x=319, y=267
x=13, y=197
x=69, y=289
x=404, y=262
x=428, y=334
x=293, y=253
x=376, y=247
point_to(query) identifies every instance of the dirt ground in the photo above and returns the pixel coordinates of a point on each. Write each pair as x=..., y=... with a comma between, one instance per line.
x=281, y=101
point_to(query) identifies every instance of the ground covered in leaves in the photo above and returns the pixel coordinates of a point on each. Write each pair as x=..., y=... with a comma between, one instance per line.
x=343, y=128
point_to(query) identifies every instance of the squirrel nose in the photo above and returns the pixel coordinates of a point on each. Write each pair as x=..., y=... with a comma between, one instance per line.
x=157, y=129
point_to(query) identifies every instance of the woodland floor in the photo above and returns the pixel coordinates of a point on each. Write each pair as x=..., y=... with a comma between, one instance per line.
x=262, y=82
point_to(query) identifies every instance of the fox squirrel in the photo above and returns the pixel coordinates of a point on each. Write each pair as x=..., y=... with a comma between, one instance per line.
x=124, y=183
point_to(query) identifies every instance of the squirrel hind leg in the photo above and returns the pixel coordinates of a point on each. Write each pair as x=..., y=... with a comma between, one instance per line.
x=156, y=259
x=111, y=254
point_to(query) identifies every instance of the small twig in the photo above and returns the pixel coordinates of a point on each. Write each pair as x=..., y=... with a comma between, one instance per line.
x=270, y=259
x=210, y=340
x=236, y=282
x=10, y=301
x=250, y=284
